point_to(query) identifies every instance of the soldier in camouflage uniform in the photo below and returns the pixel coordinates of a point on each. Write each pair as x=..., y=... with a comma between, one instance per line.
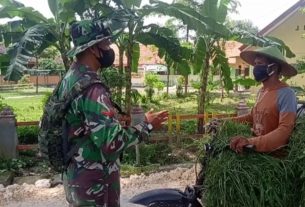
x=93, y=174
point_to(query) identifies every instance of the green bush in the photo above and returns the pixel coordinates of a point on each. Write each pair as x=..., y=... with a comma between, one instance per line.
x=149, y=154
x=189, y=127
x=15, y=164
x=46, y=97
x=2, y=104
x=25, y=79
x=28, y=134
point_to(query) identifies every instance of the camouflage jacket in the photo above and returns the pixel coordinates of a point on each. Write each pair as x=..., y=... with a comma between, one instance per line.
x=93, y=117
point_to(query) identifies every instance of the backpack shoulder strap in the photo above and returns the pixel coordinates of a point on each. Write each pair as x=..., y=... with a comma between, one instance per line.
x=79, y=87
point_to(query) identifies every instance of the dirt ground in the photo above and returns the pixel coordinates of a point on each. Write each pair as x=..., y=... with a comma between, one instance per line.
x=30, y=196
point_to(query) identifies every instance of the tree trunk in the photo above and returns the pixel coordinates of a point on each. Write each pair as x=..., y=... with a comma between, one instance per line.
x=187, y=33
x=202, y=92
x=167, y=84
x=66, y=62
x=221, y=86
x=186, y=82
x=37, y=67
x=121, y=71
x=128, y=80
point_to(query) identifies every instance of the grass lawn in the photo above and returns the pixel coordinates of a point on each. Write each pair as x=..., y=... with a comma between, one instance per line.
x=188, y=105
x=28, y=105
x=26, y=108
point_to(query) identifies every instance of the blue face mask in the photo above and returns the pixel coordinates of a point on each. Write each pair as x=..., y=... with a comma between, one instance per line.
x=262, y=72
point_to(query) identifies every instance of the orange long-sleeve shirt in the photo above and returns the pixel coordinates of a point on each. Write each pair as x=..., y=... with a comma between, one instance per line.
x=272, y=117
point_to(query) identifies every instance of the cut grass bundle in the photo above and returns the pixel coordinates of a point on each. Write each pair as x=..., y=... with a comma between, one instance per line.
x=296, y=161
x=251, y=179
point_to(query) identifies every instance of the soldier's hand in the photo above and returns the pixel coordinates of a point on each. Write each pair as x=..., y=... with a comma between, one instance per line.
x=124, y=120
x=156, y=119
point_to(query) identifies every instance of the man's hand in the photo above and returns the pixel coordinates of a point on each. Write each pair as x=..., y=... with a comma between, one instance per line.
x=156, y=119
x=238, y=143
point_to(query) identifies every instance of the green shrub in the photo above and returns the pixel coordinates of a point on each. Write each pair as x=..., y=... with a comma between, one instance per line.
x=179, y=87
x=149, y=154
x=152, y=81
x=25, y=79
x=15, y=164
x=28, y=134
x=46, y=98
x=189, y=127
x=2, y=104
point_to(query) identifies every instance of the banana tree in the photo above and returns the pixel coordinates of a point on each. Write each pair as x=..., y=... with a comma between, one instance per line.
x=32, y=34
x=28, y=37
x=209, y=23
x=137, y=34
x=162, y=38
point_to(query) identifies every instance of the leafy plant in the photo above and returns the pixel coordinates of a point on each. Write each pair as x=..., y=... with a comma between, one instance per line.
x=28, y=134
x=114, y=80
x=135, y=97
x=15, y=164
x=189, y=127
x=2, y=104
x=179, y=87
x=152, y=81
x=45, y=98
x=150, y=154
x=159, y=86
x=25, y=79
x=50, y=64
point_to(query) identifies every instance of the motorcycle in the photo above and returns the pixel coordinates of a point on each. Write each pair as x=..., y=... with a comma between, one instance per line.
x=192, y=195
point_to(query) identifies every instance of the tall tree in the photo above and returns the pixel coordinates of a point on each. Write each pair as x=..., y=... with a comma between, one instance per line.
x=209, y=23
x=246, y=25
x=28, y=37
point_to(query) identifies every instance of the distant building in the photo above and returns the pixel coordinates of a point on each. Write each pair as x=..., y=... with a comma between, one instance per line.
x=148, y=55
x=232, y=53
x=289, y=27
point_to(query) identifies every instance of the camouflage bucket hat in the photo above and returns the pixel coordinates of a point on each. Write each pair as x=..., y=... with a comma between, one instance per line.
x=86, y=33
x=273, y=53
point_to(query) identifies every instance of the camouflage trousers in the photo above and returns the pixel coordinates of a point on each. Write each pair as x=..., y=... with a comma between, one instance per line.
x=96, y=187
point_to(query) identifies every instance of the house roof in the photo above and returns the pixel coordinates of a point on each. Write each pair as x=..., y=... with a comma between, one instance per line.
x=148, y=55
x=279, y=20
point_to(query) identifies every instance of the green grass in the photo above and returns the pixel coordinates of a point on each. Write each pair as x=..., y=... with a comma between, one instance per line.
x=27, y=104
x=188, y=105
x=25, y=92
x=26, y=108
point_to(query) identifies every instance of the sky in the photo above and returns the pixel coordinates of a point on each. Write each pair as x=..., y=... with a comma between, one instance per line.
x=260, y=12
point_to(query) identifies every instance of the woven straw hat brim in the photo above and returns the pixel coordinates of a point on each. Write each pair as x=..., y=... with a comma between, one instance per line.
x=287, y=70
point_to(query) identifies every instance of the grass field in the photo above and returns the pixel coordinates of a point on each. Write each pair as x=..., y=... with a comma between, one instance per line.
x=27, y=104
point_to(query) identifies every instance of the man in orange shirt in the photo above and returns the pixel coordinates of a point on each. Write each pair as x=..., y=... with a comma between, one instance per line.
x=273, y=116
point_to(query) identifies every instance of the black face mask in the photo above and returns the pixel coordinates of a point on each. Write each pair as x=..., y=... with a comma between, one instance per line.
x=262, y=72
x=106, y=58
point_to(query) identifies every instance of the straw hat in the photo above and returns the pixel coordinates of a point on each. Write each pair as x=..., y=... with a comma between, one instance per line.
x=273, y=53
